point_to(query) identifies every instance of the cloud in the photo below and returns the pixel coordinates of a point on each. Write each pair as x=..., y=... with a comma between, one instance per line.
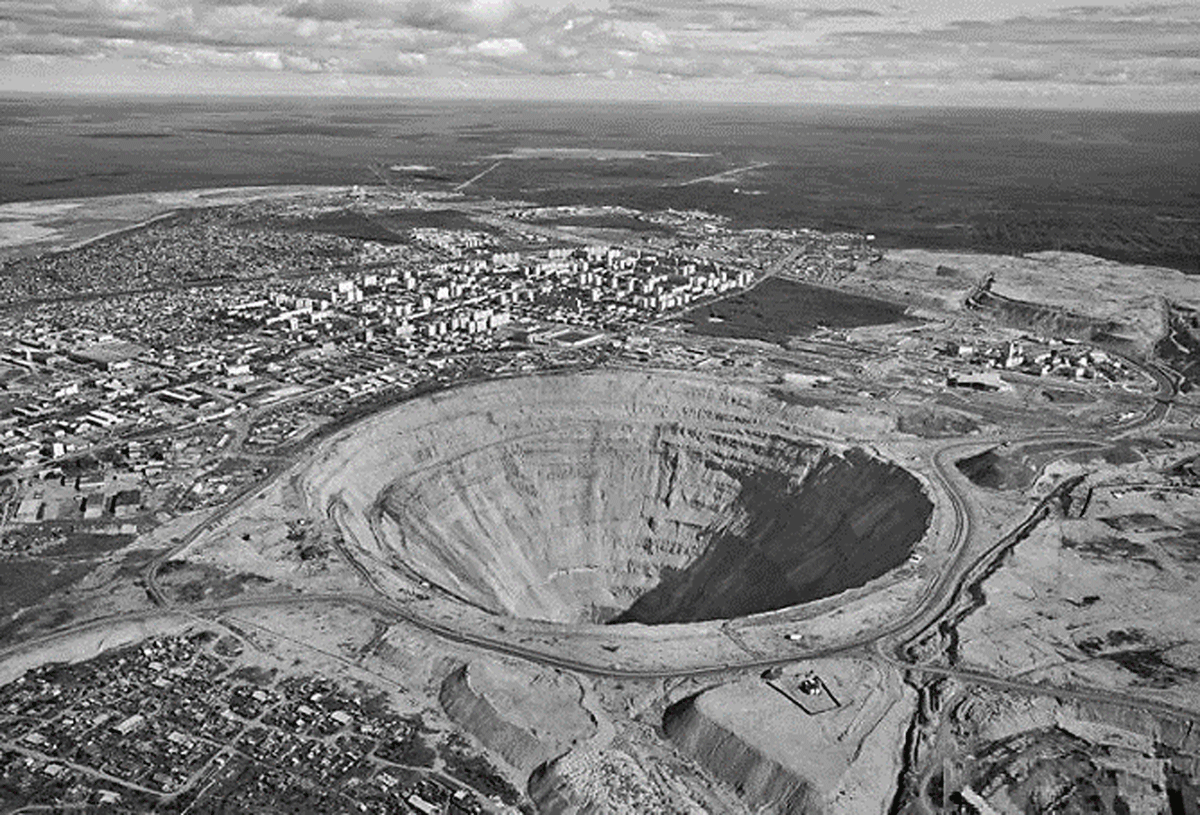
x=433, y=15
x=507, y=47
x=382, y=63
x=267, y=59
x=845, y=13
x=840, y=42
x=256, y=61
x=335, y=11
x=1019, y=73
x=652, y=39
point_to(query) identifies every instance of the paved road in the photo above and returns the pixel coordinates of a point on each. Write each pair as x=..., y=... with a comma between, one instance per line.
x=475, y=178
x=1115, y=698
x=736, y=171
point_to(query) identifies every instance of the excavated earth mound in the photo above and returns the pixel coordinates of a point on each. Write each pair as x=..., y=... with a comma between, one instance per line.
x=527, y=715
x=618, y=497
x=711, y=727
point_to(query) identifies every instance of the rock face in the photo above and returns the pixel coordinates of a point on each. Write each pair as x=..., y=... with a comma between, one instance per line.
x=619, y=497
x=791, y=538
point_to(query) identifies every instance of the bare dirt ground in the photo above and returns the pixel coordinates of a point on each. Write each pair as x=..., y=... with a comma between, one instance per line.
x=1102, y=289
x=1103, y=600
x=32, y=227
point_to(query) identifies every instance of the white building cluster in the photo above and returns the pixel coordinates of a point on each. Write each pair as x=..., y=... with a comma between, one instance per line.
x=597, y=287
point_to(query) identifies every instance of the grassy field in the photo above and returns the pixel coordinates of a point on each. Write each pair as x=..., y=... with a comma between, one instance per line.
x=779, y=309
x=26, y=583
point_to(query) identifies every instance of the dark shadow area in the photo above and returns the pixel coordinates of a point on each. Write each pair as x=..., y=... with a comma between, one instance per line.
x=851, y=519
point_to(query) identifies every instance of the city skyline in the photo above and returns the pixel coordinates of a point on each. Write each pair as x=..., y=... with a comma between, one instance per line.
x=961, y=53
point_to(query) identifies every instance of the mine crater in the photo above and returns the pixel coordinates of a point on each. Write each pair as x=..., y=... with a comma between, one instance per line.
x=607, y=507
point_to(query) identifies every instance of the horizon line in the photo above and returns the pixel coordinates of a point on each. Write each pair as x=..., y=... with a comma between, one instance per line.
x=383, y=97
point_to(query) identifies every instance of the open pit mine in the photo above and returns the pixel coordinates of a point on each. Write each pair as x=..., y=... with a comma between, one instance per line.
x=615, y=497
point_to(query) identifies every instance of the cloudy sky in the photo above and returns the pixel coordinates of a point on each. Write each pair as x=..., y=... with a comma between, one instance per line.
x=1007, y=52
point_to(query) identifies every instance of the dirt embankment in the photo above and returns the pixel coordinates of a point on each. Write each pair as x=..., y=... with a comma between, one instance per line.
x=476, y=714
x=525, y=715
x=1043, y=318
x=825, y=736
x=760, y=780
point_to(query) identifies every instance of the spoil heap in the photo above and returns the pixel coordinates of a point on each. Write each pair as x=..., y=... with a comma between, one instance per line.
x=618, y=497
x=525, y=714
x=701, y=726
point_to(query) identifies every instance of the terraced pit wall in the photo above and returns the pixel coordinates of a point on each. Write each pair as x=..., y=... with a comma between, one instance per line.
x=618, y=497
